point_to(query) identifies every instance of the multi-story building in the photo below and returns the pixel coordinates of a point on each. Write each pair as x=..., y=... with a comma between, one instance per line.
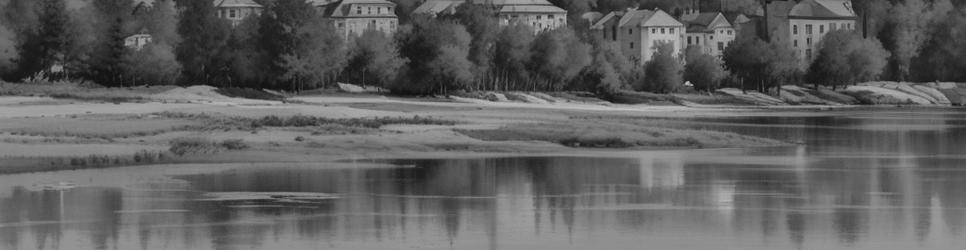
x=236, y=10
x=802, y=25
x=709, y=31
x=352, y=17
x=541, y=15
x=638, y=31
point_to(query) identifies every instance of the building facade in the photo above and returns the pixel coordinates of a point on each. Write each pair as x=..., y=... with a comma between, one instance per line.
x=353, y=17
x=710, y=32
x=802, y=25
x=540, y=15
x=236, y=11
x=638, y=31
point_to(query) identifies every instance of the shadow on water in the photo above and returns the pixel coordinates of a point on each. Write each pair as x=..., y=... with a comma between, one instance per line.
x=875, y=181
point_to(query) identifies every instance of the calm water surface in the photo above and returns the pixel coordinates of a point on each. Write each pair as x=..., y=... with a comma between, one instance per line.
x=865, y=180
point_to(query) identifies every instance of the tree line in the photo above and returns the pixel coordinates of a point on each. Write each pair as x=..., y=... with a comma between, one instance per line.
x=291, y=47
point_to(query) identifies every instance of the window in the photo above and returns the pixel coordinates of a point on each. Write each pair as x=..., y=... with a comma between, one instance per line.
x=808, y=54
x=711, y=38
x=390, y=9
x=794, y=29
x=604, y=33
x=795, y=43
x=632, y=45
x=808, y=29
x=653, y=30
x=369, y=11
x=832, y=26
x=697, y=40
x=821, y=29
x=720, y=46
x=358, y=10
x=808, y=41
x=630, y=31
x=672, y=30
x=730, y=32
x=614, y=32
x=849, y=25
x=663, y=31
x=231, y=13
x=550, y=17
x=689, y=40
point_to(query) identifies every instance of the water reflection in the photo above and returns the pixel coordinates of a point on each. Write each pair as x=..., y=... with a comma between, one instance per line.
x=865, y=188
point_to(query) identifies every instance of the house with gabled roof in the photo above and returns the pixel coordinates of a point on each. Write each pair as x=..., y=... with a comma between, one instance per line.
x=802, y=25
x=638, y=31
x=541, y=15
x=709, y=31
x=236, y=11
x=353, y=17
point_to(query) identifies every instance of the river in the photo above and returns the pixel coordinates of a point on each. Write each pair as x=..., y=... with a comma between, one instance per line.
x=872, y=179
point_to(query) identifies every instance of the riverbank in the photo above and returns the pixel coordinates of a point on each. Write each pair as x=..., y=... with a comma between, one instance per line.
x=45, y=134
x=99, y=127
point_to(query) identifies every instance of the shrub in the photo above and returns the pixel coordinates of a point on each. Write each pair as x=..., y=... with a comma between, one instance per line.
x=183, y=146
x=234, y=144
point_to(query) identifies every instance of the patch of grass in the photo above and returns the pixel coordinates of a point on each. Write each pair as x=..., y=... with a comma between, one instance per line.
x=189, y=146
x=81, y=91
x=248, y=94
x=610, y=142
x=313, y=121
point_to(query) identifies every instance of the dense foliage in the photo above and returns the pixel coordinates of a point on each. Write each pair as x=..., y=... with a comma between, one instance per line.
x=289, y=47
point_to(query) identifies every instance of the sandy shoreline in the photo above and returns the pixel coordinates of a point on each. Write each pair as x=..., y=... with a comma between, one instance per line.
x=44, y=134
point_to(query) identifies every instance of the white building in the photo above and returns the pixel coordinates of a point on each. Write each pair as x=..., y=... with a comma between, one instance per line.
x=237, y=10
x=541, y=15
x=137, y=42
x=802, y=25
x=352, y=17
x=810, y=20
x=637, y=31
x=710, y=31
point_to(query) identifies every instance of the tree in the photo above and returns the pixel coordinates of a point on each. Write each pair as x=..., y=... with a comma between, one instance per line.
x=558, y=56
x=481, y=22
x=202, y=34
x=909, y=24
x=317, y=56
x=107, y=62
x=765, y=65
x=845, y=58
x=510, y=55
x=373, y=59
x=609, y=70
x=155, y=64
x=437, y=52
x=280, y=27
x=663, y=72
x=942, y=56
x=162, y=22
x=702, y=70
x=45, y=44
x=238, y=62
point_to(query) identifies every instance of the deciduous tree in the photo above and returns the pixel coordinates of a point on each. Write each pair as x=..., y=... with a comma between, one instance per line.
x=702, y=70
x=663, y=72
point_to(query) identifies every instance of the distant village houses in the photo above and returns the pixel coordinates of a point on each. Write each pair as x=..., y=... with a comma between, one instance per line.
x=540, y=15
x=637, y=31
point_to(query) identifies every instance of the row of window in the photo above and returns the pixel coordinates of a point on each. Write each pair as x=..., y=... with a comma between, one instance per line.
x=663, y=30
x=233, y=13
x=821, y=28
x=378, y=10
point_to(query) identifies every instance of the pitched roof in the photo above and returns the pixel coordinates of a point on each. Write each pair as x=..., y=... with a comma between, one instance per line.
x=823, y=9
x=705, y=22
x=505, y=6
x=437, y=6
x=735, y=18
x=342, y=8
x=236, y=3
x=639, y=18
